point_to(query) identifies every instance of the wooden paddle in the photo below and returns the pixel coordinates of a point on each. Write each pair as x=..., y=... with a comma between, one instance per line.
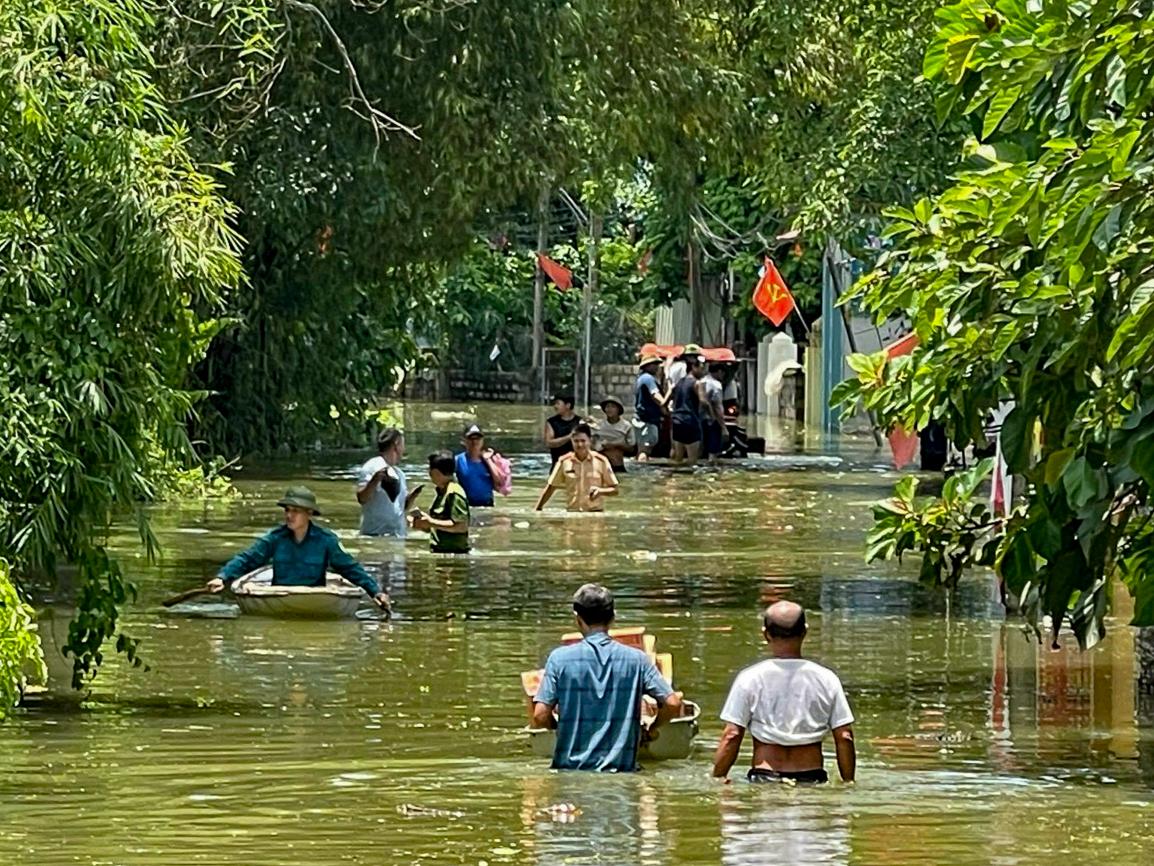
x=186, y=595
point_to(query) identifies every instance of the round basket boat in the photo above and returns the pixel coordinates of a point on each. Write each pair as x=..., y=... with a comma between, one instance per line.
x=256, y=595
x=674, y=739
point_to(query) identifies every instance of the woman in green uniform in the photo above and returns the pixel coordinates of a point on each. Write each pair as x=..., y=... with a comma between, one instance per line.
x=448, y=520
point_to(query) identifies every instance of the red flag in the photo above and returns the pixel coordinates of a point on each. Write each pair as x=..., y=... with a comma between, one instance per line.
x=903, y=346
x=903, y=445
x=559, y=274
x=771, y=297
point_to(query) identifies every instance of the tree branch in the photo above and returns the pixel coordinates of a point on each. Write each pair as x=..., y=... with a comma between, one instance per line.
x=381, y=122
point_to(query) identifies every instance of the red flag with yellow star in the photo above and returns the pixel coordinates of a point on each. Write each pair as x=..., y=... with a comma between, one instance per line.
x=771, y=297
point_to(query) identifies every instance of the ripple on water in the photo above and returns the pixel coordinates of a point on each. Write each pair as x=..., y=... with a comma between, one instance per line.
x=263, y=742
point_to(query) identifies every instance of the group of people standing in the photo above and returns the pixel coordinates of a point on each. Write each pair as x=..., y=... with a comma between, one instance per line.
x=468, y=479
x=695, y=400
x=693, y=395
x=691, y=391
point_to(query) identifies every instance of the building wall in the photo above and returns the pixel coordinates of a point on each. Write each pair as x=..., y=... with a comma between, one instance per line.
x=498, y=386
x=613, y=380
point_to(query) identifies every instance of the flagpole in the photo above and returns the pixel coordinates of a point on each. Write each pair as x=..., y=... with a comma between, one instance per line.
x=587, y=303
x=539, y=283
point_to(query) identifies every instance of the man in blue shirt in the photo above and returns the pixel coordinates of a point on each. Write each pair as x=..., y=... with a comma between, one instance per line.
x=648, y=407
x=596, y=687
x=300, y=552
x=476, y=472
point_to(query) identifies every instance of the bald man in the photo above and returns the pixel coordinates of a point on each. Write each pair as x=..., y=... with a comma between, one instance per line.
x=788, y=703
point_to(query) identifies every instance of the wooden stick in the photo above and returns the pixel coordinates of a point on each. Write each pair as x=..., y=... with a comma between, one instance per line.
x=186, y=595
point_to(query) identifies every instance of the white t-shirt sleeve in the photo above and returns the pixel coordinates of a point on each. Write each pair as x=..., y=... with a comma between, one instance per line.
x=368, y=470
x=738, y=709
x=840, y=713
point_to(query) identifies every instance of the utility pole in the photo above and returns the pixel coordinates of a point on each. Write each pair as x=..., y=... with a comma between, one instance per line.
x=539, y=278
x=591, y=285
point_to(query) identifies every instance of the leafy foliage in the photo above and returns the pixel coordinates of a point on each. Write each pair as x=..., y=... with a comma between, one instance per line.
x=352, y=221
x=19, y=644
x=1031, y=280
x=113, y=247
x=840, y=126
x=483, y=301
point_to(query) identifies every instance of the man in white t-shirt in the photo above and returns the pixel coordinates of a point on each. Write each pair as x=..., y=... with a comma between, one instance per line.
x=788, y=704
x=382, y=490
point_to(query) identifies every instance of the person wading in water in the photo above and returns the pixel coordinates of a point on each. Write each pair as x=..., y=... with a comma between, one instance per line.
x=448, y=520
x=477, y=473
x=382, y=490
x=559, y=428
x=688, y=402
x=596, y=687
x=789, y=704
x=586, y=475
x=300, y=552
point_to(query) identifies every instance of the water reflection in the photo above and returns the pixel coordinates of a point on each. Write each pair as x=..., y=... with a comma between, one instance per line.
x=784, y=825
x=258, y=741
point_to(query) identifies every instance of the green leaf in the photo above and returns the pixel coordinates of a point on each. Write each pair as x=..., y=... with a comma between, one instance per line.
x=905, y=489
x=1144, y=602
x=1056, y=464
x=1000, y=104
x=1116, y=79
x=1017, y=439
x=1017, y=563
x=1142, y=460
x=1108, y=229
x=958, y=51
x=863, y=364
x=1084, y=484
x=1122, y=152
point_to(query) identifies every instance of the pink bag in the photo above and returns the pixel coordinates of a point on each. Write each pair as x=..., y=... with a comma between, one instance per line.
x=504, y=485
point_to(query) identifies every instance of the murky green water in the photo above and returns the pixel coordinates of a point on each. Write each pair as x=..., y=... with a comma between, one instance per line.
x=267, y=742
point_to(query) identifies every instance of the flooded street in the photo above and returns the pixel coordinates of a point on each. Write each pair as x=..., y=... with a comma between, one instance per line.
x=255, y=741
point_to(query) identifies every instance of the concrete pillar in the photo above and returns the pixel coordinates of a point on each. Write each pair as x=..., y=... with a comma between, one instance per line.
x=781, y=353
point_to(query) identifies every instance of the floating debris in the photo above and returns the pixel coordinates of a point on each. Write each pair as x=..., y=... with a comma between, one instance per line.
x=414, y=811
x=564, y=813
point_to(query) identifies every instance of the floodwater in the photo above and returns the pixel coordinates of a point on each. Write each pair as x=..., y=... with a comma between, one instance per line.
x=259, y=742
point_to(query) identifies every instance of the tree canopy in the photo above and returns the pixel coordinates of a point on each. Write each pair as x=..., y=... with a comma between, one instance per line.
x=1031, y=281
x=114, y=250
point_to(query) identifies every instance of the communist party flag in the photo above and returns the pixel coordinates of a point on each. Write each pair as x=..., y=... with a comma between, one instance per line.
x=903, y=445
x=559, y=274
x=771, y=297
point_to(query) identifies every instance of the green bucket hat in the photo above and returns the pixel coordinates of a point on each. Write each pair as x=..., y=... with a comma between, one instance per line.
x=301, y=497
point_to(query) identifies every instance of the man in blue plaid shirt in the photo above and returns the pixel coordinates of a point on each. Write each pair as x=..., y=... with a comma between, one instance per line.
x=596, y=687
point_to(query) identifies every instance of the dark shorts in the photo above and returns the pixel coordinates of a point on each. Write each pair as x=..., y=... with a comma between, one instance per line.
x=711, y=431
x=686, y=434
x=805, y=777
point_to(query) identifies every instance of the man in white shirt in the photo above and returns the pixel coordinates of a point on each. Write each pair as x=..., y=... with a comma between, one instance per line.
x=788, y=704
x=382, y=490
